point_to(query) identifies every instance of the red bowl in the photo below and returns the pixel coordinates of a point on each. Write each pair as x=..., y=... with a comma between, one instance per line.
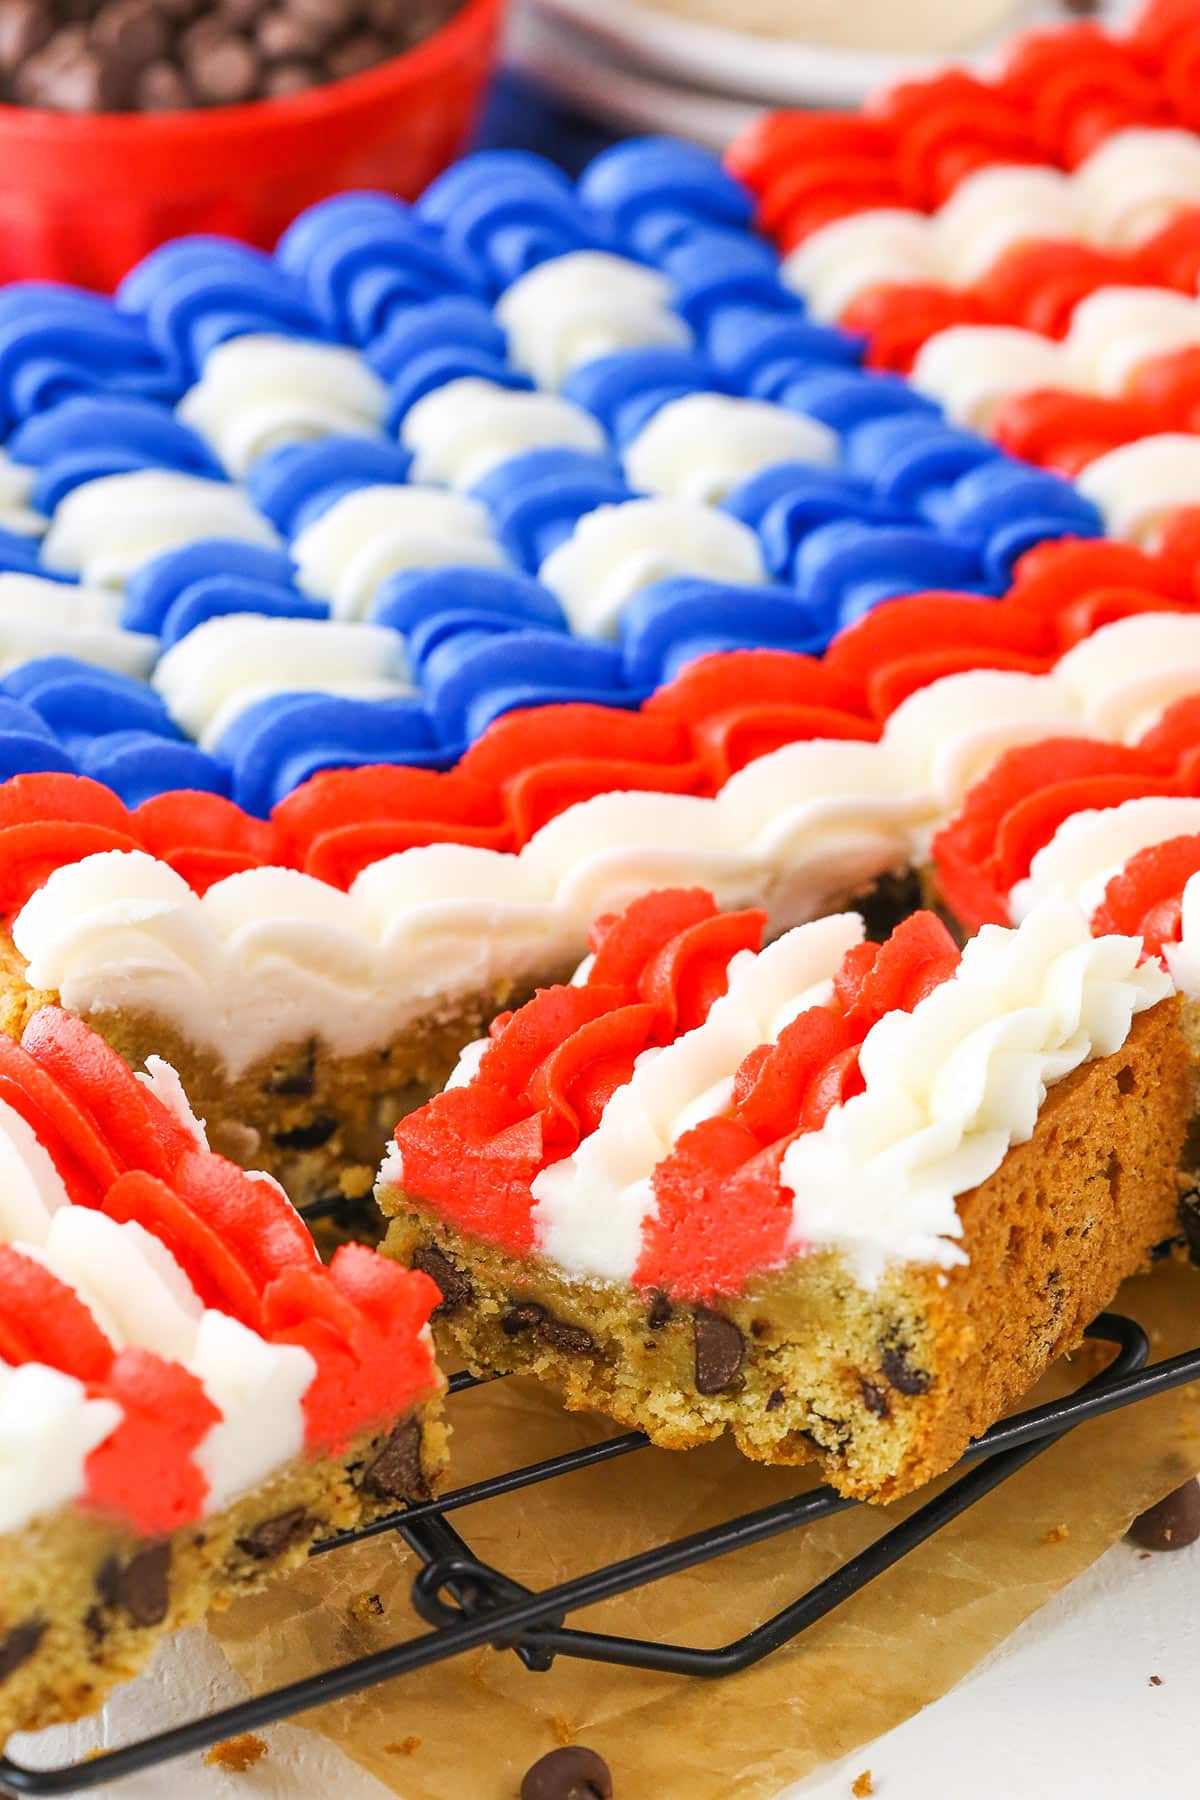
x=83, y=198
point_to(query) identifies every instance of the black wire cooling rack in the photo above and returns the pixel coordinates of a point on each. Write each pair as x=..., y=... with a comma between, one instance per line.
x=467, y=1603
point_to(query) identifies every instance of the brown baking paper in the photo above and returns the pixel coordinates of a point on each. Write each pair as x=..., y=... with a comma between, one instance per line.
x=467, y=1729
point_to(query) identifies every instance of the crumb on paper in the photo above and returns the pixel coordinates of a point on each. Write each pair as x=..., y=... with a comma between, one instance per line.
x=1156, y=1681
x=564, y=1731
x=237, y=1754
x=1056, y=1534
x=366, y=1606
x=862, y=1785
x=405, y=1747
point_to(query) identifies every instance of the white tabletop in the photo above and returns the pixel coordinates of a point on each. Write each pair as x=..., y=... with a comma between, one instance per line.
x=1065, y=1708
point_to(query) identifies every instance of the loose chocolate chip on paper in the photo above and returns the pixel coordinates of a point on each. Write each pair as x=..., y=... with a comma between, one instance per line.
x=18, y=1645
x=720, y=1350
x=455, y=1287
x=572, y=1773
x=396, y=1473
x=272, y=1537
x=1171, y=1525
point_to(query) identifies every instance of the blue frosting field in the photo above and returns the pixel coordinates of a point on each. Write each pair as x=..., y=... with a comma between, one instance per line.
x=88, y=386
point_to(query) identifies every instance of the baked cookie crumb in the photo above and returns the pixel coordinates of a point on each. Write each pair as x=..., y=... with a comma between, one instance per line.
x=862, y=1785
x=237, y=1754
x=405, y=1747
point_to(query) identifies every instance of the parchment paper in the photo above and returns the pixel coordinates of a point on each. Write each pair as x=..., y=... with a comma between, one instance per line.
x=468, y=1729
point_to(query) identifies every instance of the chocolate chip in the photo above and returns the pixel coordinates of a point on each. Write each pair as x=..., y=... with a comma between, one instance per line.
x=67, y=75
x=333, y=17
x=226, y=72
x=19, y=1645
x=285, y=78
x=900, y=1372
x=139, y=1586
x=161, y=88
x=874, y=1398
x=522, y=1317
x=1171, y=1525
x=720, y=1350
x=1189, y=1220
x=318, y=1131
x=241, y=15
x=774, y=1399
x=25, y=25
x=133, y=30
x=361, y=52
x=572, y=1773
x=455, y=1287
x=527, y=1315
x=568, y=1340
x=660, y=1311
x=281, y=36
x=298, y=1079
x=272, y=1537
x=396, y=1472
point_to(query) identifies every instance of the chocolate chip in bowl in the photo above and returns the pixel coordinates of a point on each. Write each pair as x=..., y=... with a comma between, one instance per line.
x=85, y=56
x=227, y=117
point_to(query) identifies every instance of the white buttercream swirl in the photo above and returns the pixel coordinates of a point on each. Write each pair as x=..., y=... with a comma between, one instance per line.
x=701, y=446
x=39, y=617
x=591, y=1208
x=616, y=551
x=105, y=529
x=374, y=532
x=260, y=391
x=138, y=1295
x=970, y=369
x=1139, y=485
x=17, y=512
x=1089, y=848
x=272, y=956
x=461, y=431
x=228, y=663
x=574, y=308
x=48, y=1429
x=952, y=1086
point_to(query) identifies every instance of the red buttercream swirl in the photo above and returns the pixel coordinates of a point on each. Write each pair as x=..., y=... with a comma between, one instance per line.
x=1013, y=811
x=473, y=1152
x=1058, y=95
x=1145, y=899
x=719, y=714
x=241, y=1244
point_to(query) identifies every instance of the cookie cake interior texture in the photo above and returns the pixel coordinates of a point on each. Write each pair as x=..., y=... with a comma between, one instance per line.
x=639, y=737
